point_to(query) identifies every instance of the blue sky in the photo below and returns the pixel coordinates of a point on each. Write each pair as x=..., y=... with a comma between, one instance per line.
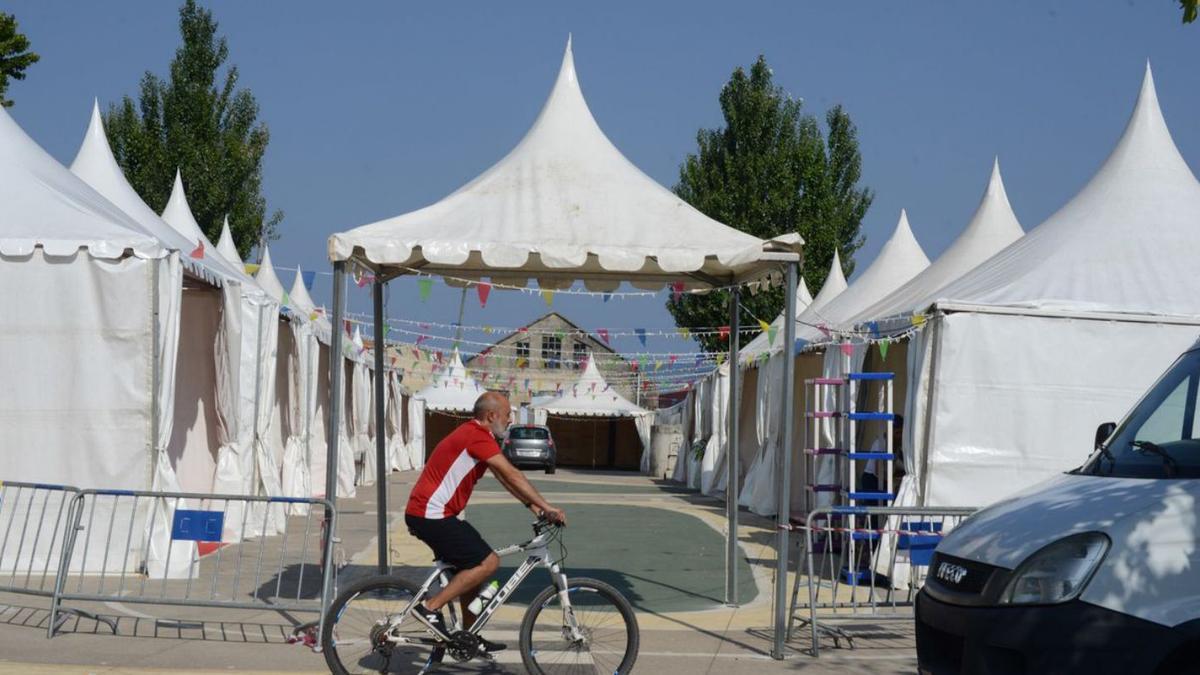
x=377, y=108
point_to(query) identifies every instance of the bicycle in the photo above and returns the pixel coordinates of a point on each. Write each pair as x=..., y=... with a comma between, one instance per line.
x=577, y=626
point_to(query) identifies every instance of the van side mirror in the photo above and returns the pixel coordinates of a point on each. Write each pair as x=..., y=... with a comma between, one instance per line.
x=1103, y=432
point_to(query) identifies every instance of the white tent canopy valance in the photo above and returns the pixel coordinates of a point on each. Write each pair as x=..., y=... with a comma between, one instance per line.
x=563, y=205
x=591, y=396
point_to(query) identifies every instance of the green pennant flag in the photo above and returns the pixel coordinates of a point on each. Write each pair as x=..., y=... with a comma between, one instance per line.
x=772, y=331
x=883, y=348
x=425, y=285
x=286, y=299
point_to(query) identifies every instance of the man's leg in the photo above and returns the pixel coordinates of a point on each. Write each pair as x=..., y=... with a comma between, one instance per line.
x=465, y=581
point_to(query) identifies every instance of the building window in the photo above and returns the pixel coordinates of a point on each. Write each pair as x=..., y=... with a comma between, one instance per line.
x=581, y=352
x=551, y=351
x=523, y=350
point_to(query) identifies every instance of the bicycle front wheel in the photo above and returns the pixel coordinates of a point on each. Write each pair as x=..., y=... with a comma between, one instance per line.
x=357, y=638
x=607, y=637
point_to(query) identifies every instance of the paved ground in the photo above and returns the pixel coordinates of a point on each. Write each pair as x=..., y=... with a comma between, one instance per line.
x=657, y=543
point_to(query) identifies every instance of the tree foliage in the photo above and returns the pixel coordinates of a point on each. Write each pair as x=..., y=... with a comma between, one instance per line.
x=1189, y=8
x=770, y=170
x=210, y=133
x=15, y=56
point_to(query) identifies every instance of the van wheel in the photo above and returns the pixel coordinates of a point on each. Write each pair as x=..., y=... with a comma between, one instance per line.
x=550, y=468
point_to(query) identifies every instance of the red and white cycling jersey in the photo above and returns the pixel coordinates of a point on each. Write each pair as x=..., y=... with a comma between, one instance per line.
x=450, y=475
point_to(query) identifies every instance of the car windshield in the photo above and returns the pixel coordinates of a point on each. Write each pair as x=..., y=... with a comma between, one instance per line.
x=1161, y=436
x=528, y=434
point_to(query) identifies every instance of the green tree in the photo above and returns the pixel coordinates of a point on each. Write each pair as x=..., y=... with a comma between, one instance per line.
x=210, y=133
x=772, y=169
x=15, y=56
x=1189, y=8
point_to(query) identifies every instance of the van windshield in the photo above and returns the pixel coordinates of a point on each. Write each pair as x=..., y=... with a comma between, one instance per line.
x=1161, y=437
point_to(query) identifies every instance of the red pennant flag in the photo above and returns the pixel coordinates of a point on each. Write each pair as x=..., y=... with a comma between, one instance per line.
x=676, y=291
x=603, y=334
x=847, y=349
x=522, y=329
x=724, y=332
x=198, y=252
x=673, y=357
x=422, y=338
x=483, y=289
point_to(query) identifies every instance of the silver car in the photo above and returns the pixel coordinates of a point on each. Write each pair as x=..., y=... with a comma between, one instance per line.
x=530, y=445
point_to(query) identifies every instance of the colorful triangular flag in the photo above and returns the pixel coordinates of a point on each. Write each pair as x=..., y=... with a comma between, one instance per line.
x=425, y=286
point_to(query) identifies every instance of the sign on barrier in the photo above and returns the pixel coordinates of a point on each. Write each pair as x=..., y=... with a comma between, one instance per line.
x=866, y=560
x=166, y=549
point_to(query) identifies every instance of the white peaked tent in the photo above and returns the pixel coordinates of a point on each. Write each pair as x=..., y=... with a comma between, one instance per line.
x=763, y=343
x=321, y=332
x=453, y=389
x=579, y=440
x=244, y=401
x=991, y=228
x=900, y=259
x=285, y=432
x=759, y=390
x=565, y=206
x=448, y=400
x=91, y=317
x=361, y=407
x=1025, y=355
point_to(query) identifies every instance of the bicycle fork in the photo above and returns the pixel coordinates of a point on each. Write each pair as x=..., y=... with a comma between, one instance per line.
x=570, y=624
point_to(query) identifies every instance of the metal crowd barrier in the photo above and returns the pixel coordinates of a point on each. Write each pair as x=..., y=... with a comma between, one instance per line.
x=33, y=529
x=110, y=534
x=865, y=561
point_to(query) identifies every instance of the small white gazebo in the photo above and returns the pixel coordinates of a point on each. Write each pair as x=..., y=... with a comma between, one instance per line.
x=565, y=206
x=579, y=410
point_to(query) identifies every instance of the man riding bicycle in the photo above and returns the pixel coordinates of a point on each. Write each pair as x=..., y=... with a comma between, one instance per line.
x=442, y=492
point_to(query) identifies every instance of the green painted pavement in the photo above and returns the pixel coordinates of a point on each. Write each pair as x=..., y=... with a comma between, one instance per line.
x=663, y=561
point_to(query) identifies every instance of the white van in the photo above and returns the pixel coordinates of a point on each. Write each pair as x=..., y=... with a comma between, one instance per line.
x=1094, y=571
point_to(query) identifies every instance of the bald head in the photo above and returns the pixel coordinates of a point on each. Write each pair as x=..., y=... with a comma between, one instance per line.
x=492, y=410
x=490, y=402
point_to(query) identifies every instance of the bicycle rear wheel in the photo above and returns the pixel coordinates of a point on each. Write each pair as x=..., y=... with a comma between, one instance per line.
x=605, y=619
x=353, y=639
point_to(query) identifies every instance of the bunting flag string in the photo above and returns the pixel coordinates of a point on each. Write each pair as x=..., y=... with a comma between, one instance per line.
x=198, y=252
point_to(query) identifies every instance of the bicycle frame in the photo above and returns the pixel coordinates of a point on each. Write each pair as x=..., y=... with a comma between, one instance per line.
x=538, y=556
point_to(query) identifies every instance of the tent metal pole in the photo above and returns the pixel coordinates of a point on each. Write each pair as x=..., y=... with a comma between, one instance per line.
x=381, y=467
x=336, y=371
x=732, y=454
x=784, y=464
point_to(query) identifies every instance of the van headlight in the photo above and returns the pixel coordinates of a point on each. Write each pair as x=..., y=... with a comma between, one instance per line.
x=1058, y=572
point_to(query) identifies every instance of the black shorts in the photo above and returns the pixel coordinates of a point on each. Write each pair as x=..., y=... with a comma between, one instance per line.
x=454, y=542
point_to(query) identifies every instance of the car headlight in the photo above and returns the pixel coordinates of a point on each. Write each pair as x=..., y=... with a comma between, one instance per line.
x=1058, y=572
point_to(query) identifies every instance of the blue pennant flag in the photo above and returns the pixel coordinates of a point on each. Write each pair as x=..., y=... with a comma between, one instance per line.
x=309, y=279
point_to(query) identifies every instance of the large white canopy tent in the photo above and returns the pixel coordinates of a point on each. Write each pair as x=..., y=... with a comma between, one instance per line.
x=1025, y=355
x=91, y=298
x=243, y=401
x=573, y=413
x=564, y=206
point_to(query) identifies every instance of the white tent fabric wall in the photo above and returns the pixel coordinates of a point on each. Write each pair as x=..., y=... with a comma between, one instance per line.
x=346, y=469
x=416, y=432
x=398, y=452
x=277, y=431
x=62, y=240
x=1105, y=281
x=295, y=476
x=762, y=343
x=361, y=401
x=235, y=455
x=713, y=476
